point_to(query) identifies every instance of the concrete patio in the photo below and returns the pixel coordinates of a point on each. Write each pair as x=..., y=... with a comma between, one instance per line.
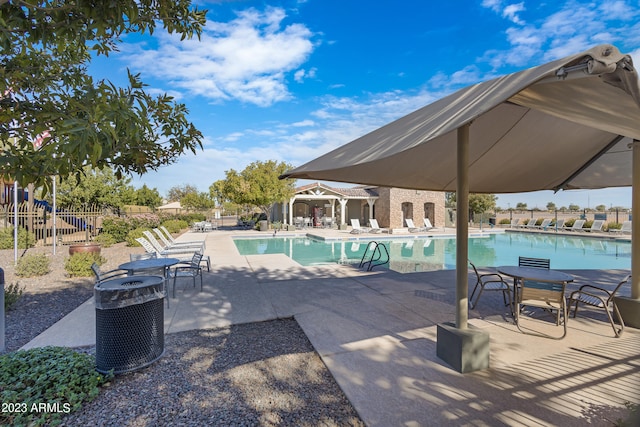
x=376, y=332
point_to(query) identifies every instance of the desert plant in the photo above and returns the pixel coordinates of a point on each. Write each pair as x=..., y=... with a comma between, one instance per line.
x=12, y=294
x=505, y=221
x=26, y=239
x=175, y=225
x=614, y=226
x=55, y=375
x=33, y=265
x=79, y=264
x=117, y=227
x=105, y=239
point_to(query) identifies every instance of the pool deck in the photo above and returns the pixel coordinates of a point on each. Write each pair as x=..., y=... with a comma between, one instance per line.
x=376, y=332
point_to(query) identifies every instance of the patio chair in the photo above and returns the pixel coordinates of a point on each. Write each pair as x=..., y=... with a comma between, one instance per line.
x=547, y=296
x=412, y=226
x=601, y=298
x=101, y=276
x=375, y=228
x=146, y=255
x=514, y=222
x=524, y=261
x=356, y=228
x=489, y=282
x=191, y=269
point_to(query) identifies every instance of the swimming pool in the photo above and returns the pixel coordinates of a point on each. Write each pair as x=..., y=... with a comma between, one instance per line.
x=492, y=250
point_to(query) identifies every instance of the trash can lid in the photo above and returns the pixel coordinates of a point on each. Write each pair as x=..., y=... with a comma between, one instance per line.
x=126, y=291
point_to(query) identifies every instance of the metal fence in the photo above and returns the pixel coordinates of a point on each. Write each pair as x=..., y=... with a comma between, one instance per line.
x=71, y=226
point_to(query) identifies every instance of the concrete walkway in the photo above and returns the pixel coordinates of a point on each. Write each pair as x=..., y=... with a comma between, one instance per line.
x=376, y=332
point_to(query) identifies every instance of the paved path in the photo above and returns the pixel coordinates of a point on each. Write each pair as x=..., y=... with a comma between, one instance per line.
x=376, y=332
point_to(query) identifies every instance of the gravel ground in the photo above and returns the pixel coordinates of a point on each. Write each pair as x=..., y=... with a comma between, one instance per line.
x=258, y=374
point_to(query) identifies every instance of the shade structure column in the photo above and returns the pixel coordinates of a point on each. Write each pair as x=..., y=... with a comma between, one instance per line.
x=465, y=349
x=635, y=223
x=462, y=228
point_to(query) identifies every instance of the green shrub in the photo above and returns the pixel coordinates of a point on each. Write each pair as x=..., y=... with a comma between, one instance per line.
x=117, y=227
x=33, y=265
x=79, y=264
x=105, y=239
x=148, y=220
x=12, y=294
x=26, y=239
x=569, y=223
x=614, y=226
x=175, y=225
x=48, y=375
x=134, y=234
x=505, y=221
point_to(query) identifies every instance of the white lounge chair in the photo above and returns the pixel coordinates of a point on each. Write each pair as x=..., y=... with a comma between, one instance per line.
x=514, y=222
x=625, y=229
x=412, y=226
x=529, y=224
x=577, y=226
x=427, y=224
x=544, y=224
x=356, y=228
x=375, y=228
x=595, y=226
x=559, y=224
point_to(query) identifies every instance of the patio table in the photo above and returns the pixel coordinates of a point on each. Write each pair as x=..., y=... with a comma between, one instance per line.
x=534, y=274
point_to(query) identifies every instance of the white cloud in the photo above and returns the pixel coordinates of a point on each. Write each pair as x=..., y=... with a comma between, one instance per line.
x=246, y=59
x=510, y=11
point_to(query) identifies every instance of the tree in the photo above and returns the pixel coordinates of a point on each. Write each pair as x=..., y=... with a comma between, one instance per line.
x=100, y=188
x=177, y=193
x=47, y=97
x=258, y=185
x=551, y=206
x=601, y=208
x=521, y=206
x=146, y=196
x=481, y=203
x=197, y=201
x=574, y=208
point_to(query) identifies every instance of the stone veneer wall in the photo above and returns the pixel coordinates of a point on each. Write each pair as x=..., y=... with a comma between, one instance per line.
x=388, y=207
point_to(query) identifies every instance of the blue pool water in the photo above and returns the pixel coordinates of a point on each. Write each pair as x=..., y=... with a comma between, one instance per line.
x=565, y=252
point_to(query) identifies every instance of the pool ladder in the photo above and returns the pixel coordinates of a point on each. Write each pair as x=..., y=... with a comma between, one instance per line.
x=379, y=255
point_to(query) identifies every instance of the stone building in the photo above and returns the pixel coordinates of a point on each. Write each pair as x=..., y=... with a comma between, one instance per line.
x=319, y=204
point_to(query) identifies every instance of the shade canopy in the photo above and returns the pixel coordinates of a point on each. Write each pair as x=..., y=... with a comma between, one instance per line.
x=567, y=124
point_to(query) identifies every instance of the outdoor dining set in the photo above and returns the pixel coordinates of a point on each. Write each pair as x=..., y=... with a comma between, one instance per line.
x=172, y=261
x=536, y=285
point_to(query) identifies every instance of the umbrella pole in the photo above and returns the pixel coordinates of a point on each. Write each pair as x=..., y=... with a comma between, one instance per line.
x=462, y=228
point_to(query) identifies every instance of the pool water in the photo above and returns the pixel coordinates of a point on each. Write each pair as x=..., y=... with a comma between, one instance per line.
x=492, y=250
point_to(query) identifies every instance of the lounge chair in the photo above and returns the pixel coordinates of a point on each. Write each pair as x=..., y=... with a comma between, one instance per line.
x=356, y=228
x=544, y=225
x=177, y=245
x=412, y=226
x=529, y=224
x=514, y=222
x=577, y=226
x=595, y=226
x=427, y=224
x=375, y=228
x=559, y=224
x=599, y=298
x=625, y=229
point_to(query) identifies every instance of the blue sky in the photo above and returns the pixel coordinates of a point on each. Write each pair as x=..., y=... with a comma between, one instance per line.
x=291, y=80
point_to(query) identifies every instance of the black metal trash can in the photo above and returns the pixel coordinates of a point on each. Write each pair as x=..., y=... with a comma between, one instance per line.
x=129, y=323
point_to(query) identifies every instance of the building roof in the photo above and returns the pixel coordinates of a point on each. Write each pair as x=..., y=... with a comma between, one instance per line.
x=352, y=192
